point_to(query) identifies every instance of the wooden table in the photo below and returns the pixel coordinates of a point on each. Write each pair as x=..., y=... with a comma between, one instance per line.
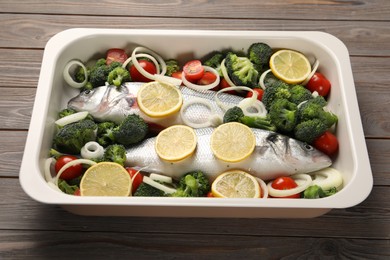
x=33, y=230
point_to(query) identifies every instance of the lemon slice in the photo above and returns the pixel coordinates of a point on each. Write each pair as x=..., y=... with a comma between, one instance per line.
x=158, y=99
x=105, y=179
x=176, y=143
x=290, y=66
x=232, y=142
x=236, y=184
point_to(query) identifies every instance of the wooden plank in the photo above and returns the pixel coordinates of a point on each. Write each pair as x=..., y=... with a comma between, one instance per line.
x=33, y=31
x=95, y=245
x=282, y=9
x=370, y=219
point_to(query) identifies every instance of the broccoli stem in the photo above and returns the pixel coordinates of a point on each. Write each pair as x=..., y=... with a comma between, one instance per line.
x=258, y=122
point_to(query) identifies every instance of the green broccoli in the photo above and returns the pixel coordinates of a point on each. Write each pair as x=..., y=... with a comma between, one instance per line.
x=66, y=112
x=80, y=74
x=299, y=94
x=98, y=76
x=145, y=190
x=115, y=153
x=308, y=131
x=172, y=66
x=259, y=53
x=214, y=60
x=192, y=184
x=66, y=187
x=105, y=133
x=277, y=90
x=72, y=137
x=312, y=110
x=117, y=76
x=113, y=65
x=283, y=115
x=241, y=70
x=315, y=192
x=258, y=122
x=133, y=129
x=233, y=114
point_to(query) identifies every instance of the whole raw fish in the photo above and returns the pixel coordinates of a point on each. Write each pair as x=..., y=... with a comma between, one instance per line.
x=274, y=155
x=109, y=103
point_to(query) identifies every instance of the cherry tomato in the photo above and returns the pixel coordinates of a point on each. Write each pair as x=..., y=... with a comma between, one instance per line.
x=146, y=65
x=224, y=84
x=259, y=92
x=116, y=55
x=327, y=143
x=138, y=179
x=177, y=74
x=193, y=70
x=285, y=183
x=319, y=83
x=210, y=194
x=207, y=78
x=70, y=173
x=77, y=192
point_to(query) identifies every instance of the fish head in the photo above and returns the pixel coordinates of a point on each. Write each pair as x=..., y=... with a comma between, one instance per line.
x=88, y=100
x=308, y=158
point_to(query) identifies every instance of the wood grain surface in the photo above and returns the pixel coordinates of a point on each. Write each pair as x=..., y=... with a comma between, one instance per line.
x=31, y=230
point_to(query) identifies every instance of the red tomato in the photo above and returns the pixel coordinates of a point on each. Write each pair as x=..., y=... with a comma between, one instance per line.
x=138, y=179
x=224, y=84
x=207, y=78
x=146, y=65
x=210, y=194
x=285, y=183
x=327, y=143
x=116, y=55
x=319, y=83
x=71, y=172
x=259, y=92
x=193, y=70
x=177, y=74
x=77, y=192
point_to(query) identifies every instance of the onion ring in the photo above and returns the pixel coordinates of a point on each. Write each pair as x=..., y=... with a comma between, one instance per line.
x=202, y=87
x=284, y=193
x=69, y=79
x=142, y=70
x=92, y=150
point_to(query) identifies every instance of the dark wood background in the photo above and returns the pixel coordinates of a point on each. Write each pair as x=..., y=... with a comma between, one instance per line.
x=29, y=229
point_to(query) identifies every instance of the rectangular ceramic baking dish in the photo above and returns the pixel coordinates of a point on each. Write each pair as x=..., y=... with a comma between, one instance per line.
x=84, y=44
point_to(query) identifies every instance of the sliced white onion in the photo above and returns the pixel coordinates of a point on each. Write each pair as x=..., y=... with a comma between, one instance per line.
x=47, y=169
x=303, y=181
x=167, y=79
x=92, y=150
x=142, y=70
x=315, y=67
x=262, y=77
x=71, y=118
x=327, y=178
x=159, y=186
x=161, y=178
x=70, y=164
x=264, y=188
x=196, y=101
x=226, y=75
x=69, y=79
x=202, y=87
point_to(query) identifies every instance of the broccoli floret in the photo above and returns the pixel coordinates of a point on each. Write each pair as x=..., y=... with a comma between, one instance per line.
x=100, y=62
x=72, y=137
x=114, y=65
x=258, y=122
x=233, y=114
x=308, y=131
x=259, y=53
x=241, y=70
x=315, y=192
x=145, y=190
x=299, y=94
x=105, y=133
x=283, y=115
x=312, y=110
x=172, y=66
x=66, y=187
x=214, y=60
x=66, y=112
x=277, y=90
x=117, y=76
x=80, y=74
x=115, y=153
x=98, y=76
x=193, y=184
x=133, y=129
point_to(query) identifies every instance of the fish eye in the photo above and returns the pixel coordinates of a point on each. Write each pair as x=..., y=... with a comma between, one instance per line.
x=87, y=92
x=308, y=147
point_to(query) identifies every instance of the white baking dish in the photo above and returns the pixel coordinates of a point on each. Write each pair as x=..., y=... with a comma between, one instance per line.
x=84, y=44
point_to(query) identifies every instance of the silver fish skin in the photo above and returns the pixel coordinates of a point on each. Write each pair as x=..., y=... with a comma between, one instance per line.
x=274, y=155
x=109, y=103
